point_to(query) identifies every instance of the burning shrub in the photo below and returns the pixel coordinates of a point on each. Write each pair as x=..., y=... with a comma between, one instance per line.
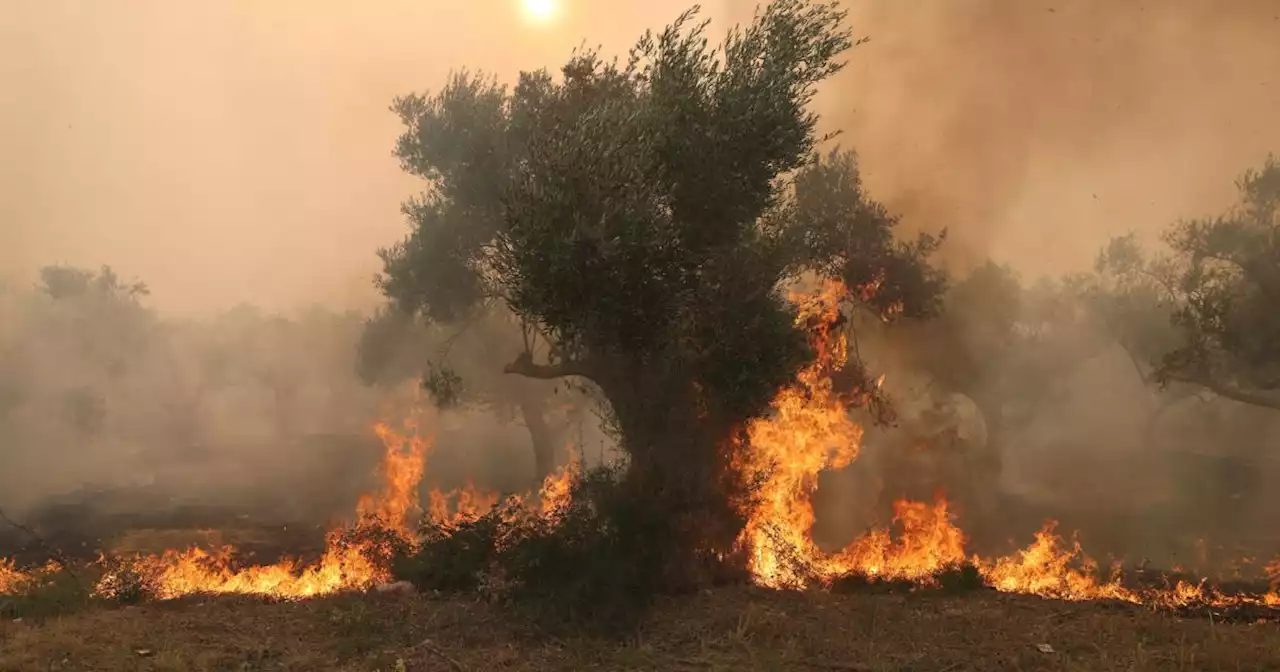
x=126, y=582
x=593, y=559
x=455, y=557
x=379, y=543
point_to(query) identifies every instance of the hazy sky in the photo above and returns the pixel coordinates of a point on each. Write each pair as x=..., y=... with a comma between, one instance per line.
x=237, y=150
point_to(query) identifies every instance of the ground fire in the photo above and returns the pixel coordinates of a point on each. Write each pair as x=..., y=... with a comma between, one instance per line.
x=351, y=561
x=810, y=430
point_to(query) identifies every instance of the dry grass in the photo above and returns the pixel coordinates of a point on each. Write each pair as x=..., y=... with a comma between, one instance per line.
x=732, y=629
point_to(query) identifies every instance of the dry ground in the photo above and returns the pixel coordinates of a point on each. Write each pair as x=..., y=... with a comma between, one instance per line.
x=731, y=629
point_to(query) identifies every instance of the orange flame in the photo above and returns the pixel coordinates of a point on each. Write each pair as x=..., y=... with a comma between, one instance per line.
x=557, y=488
x=351, y=561
x=12, y=580
x=1049, y=569
x=810, y=430
x=402, y=467
x=928, y=544
x=345, y=565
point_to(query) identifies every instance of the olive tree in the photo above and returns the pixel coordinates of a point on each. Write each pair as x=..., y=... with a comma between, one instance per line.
x=640, y=220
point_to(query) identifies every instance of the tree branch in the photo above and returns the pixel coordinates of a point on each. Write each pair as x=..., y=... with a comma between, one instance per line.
x=1251, y=397
x=525, y=366
x=52, y=552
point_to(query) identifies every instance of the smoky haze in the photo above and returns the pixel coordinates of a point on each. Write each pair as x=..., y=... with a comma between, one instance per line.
x=240, y=152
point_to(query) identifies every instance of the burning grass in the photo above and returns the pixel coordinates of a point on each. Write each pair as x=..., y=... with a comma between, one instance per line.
x=583, y=547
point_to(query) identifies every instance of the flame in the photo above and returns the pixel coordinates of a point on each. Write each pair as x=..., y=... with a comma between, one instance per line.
x=352, y=560
x=12, y=580
x=1050, y=568
x=810, y=430
x=460, y=506
x=403, y=463
x=929, y=543
x=196, y=571
x=557, y=488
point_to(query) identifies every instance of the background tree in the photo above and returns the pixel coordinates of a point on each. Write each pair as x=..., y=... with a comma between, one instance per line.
x=637, y=220
x=1227, y=273
x=396, y=347
x=1132, y=298
x=1201, y=315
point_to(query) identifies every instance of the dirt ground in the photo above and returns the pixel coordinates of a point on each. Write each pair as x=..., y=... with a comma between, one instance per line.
x=730, y=629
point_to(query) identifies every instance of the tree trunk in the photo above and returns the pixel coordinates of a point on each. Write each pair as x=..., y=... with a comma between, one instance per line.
x=681, y=476
x=682, y=515
x=533, y=411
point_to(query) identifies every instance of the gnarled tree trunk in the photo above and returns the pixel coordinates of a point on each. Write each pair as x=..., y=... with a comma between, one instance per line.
x=684, y=496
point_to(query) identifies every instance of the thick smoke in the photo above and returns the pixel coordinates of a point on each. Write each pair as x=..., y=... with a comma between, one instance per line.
x=1034, y=130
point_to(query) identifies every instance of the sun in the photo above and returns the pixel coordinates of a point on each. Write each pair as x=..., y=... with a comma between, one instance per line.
x=541, y=11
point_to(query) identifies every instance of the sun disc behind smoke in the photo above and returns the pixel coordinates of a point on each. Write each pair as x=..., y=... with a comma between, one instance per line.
x=541, y=11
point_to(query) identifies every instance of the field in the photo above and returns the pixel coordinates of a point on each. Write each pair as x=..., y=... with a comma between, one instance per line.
x=728, y=629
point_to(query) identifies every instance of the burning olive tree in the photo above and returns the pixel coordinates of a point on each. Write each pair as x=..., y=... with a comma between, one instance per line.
x=639, y=220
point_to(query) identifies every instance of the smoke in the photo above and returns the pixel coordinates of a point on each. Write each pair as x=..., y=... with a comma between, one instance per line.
x=100, y=392
x=108, y=403
x=1035, y=130
x=239, y=151
x=231, y=153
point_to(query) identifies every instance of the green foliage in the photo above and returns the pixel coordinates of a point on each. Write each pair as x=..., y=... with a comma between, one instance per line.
x=67, y=282
x=595, y=569
x=851, y=237
x=443, y=383
x=390, y=348
x=1134, y=297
